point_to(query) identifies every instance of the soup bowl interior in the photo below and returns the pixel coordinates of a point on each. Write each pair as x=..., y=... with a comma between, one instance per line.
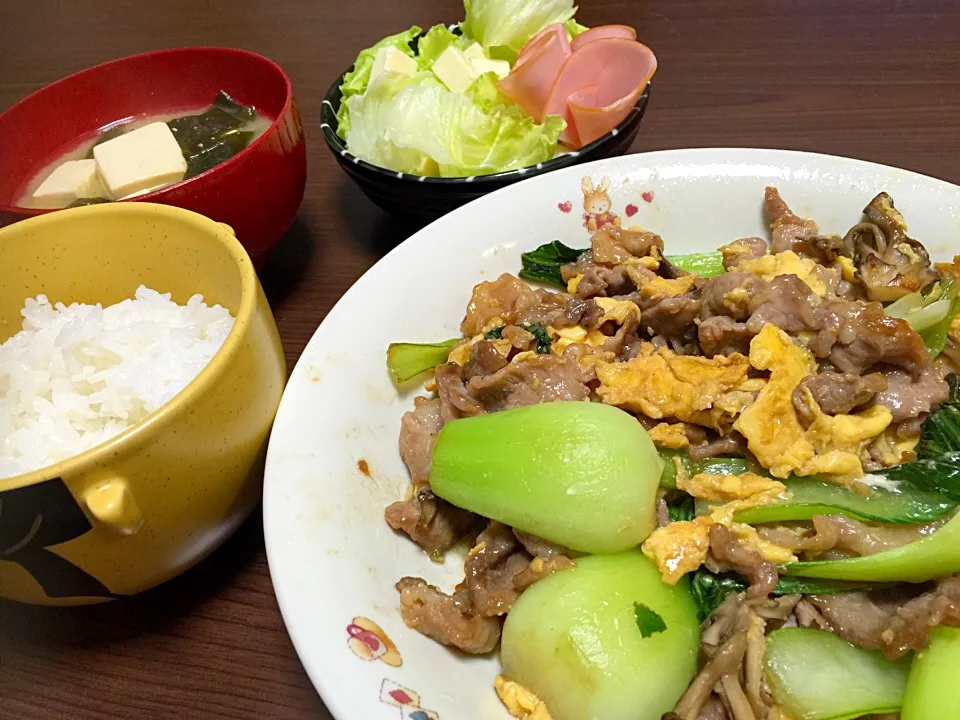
x=257, y=191
x=144, y=506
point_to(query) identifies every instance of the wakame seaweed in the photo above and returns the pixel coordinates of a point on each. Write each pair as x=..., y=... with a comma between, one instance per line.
x=213, y=136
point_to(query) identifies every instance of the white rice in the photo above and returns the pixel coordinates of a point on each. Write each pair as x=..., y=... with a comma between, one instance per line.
x=78, y=375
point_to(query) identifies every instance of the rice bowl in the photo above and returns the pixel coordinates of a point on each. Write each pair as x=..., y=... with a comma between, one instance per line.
x=78, y=375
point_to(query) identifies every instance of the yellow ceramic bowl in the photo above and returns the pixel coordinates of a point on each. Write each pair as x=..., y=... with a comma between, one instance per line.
x=146, y=505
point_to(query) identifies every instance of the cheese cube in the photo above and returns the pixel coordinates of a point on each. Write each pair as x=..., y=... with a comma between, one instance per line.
x=70, y=181
x=454, y=70
x=144, y=158
x=500, y=67
x=390, y=59
x=474, y=52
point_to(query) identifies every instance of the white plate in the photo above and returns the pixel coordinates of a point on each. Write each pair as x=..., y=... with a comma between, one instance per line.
x=332, y=556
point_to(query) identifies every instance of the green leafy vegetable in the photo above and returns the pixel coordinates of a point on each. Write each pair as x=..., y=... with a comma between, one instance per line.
x=569, y=638
x=356, y=81
x=941, y=430
x=539, y=332
x=937, y=468
x=932, y=556
x=648, y=622
x=929, y=314
x=414, y=124
x=815, y=675
x=710, y=590
x=574, y=28
x=543, y=264
x=433, y=43
x=714, y=466
x=682, y=509
x=931, y=687
x=507, y=25
x=812, y=496
x=542, y=337
x=407, y=360
x=215, y=135
x=580, y=474
x=706, y=265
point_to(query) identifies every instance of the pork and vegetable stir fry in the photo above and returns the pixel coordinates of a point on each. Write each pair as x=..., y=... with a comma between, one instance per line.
x=708, y=487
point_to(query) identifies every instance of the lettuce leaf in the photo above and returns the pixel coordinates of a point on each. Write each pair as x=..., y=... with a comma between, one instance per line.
x=574, y=28
x=503, y=27
x=413, y=124
x=356, y=81
x=431, y=46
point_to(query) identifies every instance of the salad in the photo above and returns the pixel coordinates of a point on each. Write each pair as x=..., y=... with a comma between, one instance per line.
x=512, y=85
x=720, y=486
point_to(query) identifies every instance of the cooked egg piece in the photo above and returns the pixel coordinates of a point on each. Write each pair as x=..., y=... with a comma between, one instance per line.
x=669, y=435
x=832, y=444
x=724, y=488
x=520, y=702
x=786, y=263
x=661, y=384
x=660, y=287
x=679, y=548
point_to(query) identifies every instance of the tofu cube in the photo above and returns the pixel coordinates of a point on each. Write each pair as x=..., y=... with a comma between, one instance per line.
x=73, y=180
x=500, y=67
x=474, y=52
x=140, y=159
x=390, y=59
x=454, y=70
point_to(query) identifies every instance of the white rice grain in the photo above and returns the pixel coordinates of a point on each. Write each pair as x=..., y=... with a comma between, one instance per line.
x=78, y=375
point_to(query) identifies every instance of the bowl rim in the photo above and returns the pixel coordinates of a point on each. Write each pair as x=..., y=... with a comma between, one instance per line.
x=329, y=126
x=159, y=194
x=137, y=435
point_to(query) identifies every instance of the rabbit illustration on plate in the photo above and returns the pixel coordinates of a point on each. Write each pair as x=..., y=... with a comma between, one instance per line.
x=596, y=205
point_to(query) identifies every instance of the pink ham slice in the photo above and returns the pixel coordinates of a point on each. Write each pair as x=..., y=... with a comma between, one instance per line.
x=555, y=29
x=535, y=72
x=601, y=32
x=619, y=68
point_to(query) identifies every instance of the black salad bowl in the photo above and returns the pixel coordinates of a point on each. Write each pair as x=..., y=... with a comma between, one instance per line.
x=428, y=198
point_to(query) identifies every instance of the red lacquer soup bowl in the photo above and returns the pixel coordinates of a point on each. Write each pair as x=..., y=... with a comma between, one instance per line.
x=256, y=192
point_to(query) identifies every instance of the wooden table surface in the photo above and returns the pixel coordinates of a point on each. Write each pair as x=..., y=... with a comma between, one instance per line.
x=870, y=79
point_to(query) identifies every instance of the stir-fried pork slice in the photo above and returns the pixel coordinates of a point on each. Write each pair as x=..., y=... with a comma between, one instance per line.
x=749, y=248
x=560, y=311
x=891, y=264
x=432, y=523
x=728, y=551
x=907, y=396
x=448, y=619
x=729, y=295
x=418, y=433
x=787, y=302
x=672, y=316
x=849, y=536
x=600, y=281
x=855, y=336
x=911, y=625
x=490, y=570
x=838, y=393
x=505, y=299
x=612, y=245
x=790, y=232
x=854, y=616
x=539, y=568
x=732, y=444
x=455, y=400
x=719, y=335
x=485, y=359
x=529, y=381
x=538, y=547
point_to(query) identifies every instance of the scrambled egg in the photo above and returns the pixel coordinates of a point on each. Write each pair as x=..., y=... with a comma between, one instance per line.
x=670, y=435
x=682, y=547
x=661, y=384
x=785, y=263
x=613, y=311
x=724, y=488
x=954, y=332
x=831, y=445
x=891, y=449
x=573, y=283
x=660, y=287
x=460, y=354
x=679, y=548
x=847, y=269
x=519, y=701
